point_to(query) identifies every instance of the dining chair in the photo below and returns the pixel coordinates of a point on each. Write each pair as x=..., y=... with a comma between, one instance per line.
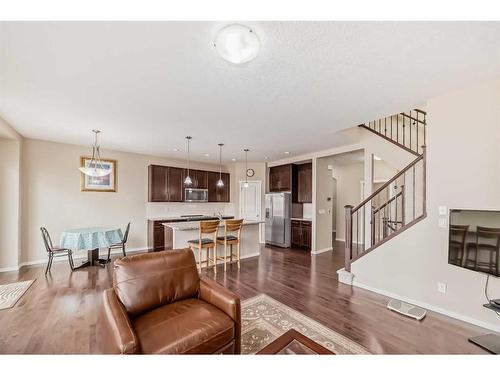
x=119, y=245
x=209, y=229
x=54, y=251
x=232, y=236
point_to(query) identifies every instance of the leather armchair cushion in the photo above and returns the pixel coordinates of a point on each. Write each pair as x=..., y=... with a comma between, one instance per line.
x=187, y=326
x=146, y=281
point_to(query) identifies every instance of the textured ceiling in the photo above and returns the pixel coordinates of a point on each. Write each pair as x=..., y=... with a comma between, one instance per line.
x=146, y=85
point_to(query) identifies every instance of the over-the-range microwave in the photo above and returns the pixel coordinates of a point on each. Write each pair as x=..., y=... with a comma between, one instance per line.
x=195, y=195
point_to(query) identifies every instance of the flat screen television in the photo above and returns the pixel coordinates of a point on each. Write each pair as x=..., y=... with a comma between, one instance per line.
x=474, y=240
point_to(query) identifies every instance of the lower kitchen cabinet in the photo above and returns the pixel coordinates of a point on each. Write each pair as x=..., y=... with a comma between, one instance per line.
x=301, y=233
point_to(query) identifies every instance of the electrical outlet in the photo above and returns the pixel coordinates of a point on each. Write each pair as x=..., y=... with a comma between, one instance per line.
x=442, y=287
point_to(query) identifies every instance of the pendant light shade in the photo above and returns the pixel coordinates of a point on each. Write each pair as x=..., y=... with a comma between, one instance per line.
x=95, y=168
x=220, y=183
x=245, y=185
x=187, y=180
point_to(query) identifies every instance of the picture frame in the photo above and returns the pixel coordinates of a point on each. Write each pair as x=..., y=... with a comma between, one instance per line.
x=106, y=184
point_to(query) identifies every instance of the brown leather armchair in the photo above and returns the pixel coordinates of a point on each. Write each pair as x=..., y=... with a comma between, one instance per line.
x=159, y=305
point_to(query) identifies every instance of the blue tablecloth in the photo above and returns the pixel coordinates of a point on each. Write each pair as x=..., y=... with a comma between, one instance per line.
x=90, y=238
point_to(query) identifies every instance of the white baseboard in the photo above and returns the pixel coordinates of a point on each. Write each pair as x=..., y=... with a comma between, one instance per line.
x=344, y=276
x=75, y=257
x=83, y=256
x=9, y=269
x=428, y=306
x=316, y=252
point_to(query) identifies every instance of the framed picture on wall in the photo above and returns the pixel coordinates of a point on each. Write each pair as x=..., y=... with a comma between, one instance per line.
x=104, y=183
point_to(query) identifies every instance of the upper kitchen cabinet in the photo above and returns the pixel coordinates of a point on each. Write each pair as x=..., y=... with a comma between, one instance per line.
x=280, y=178
x=199, y=178
x=165, y=184
x=216, y=193
x=175, y=184
x=157, y=183
x=304, y=183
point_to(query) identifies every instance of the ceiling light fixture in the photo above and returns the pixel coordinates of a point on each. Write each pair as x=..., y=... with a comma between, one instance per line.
x=220, y=183
x=246, y=168
x=237, y=44
x=287, y=152
x=187, y=180
x=95, y=167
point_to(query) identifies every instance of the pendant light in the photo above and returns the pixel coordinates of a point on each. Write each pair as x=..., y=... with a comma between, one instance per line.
x=246, y=168
x=95, y=168
x=220, y=183
x=187, y=180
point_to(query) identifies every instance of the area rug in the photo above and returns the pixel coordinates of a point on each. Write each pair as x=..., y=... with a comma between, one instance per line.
x=10, y=293
x=264, y=319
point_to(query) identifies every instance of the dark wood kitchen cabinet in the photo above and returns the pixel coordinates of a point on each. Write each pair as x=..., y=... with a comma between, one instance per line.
x=157, y=183
x=175, y=184
x=199, y=178
x=165, y=184
x=304, y=183
x=301, y=234
x=215, y=193
x=280, y=178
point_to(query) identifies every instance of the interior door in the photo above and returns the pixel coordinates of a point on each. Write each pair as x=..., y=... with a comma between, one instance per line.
x=251, y=203
x=250, y=200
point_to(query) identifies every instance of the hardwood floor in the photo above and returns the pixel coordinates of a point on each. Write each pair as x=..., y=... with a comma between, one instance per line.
x=59, y=314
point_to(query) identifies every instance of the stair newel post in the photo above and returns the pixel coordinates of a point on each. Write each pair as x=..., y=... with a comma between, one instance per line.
x=348, y=237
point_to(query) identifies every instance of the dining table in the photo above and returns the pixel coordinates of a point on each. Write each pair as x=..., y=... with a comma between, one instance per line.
x=91, y=239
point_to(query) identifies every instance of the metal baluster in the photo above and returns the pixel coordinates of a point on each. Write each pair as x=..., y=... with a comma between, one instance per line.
x=418, y=126
x=404, y=135
x=364, y=223
x=391, y=127
x=413, y=192
x=385, y=126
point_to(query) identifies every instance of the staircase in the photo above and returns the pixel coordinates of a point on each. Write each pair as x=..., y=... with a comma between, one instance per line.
x=400, y=202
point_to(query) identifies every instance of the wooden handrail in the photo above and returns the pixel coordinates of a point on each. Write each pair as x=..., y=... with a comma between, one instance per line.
x=405, y=169
x=413, y=118
x=388, y=202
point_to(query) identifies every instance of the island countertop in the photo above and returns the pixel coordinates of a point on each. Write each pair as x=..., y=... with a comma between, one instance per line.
x=185, y=226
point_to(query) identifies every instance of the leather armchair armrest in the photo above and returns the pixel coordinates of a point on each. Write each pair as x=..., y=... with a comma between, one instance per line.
x=222, y=298
x=118, y=335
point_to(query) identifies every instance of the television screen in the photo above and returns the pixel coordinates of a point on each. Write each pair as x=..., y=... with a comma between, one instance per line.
x=474, y=240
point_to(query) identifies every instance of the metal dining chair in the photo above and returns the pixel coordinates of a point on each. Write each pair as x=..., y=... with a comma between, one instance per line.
x=54, y=251
x=120, y=245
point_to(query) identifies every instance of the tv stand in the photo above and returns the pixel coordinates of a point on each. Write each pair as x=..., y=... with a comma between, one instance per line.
x=490, y=342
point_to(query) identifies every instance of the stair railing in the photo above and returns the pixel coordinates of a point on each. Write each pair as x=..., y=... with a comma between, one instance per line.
x=400, y=202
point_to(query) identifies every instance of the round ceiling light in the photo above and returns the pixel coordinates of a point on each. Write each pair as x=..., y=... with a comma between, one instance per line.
x=237, y=44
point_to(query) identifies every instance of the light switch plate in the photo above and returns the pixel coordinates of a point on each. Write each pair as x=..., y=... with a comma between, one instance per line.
x=443, y=210
x=321, y=211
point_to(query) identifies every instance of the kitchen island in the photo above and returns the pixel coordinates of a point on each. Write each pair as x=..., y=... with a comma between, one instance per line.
x=177, y=236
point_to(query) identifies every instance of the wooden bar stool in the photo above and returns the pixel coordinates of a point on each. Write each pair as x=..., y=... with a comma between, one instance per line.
x=204, y=243
x=232, y=236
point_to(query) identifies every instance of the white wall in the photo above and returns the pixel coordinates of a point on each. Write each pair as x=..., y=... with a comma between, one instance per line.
x=52, y=198
x=463, y=138
x=10, y=153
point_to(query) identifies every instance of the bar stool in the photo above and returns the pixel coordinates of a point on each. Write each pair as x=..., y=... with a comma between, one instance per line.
x=203, y=243
x=234, y=227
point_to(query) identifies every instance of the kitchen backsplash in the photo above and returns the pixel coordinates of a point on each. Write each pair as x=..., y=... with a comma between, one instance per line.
x=178, y=209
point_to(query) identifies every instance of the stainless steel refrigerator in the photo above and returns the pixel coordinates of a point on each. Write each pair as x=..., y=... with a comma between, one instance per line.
x=278, y=211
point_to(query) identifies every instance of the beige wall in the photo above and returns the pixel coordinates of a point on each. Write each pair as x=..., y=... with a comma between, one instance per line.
x=52, y=198
x=463, y=137
x=10, y=153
